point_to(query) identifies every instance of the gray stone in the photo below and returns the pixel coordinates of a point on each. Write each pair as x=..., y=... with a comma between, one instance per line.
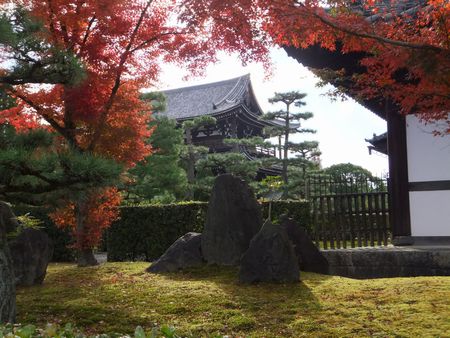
x=8, y=223
x=309, y=256
x=383, y=262
x=31, y=252
x=233, y=218
x=270, y=257
x=185, y=252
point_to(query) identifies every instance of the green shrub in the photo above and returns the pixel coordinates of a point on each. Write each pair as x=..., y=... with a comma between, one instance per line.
x=297, y=210
x=145, y=232
x=61, y=238
x=53, y=330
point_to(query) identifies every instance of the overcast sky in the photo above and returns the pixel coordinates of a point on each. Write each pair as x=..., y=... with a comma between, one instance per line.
x=341, y=126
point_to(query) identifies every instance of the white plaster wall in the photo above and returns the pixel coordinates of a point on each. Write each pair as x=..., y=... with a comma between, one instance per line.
x=428, y=160
x=428, y=155
x=430, y=213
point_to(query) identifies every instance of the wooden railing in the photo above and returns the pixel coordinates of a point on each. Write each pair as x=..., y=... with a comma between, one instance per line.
x=265, y=151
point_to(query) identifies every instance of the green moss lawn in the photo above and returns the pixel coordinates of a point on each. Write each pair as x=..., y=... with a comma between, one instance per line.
x=117, y=297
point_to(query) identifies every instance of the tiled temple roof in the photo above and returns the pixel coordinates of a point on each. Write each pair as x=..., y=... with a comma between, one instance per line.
x=207, y=99
x=216, y=98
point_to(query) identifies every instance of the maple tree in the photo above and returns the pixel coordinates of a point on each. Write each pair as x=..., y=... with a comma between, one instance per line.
x=404, y=46
x=104, y=51
x=94, y=56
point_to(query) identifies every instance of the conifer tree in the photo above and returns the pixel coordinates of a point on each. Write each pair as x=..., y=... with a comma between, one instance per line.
x=34, y=171
x=160, y=176
x=290, y=123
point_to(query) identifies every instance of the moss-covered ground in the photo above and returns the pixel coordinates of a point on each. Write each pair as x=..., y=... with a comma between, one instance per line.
x=117, y=297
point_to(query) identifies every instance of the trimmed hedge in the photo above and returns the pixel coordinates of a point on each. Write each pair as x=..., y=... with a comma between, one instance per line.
x=145, y=232
x=61, y=238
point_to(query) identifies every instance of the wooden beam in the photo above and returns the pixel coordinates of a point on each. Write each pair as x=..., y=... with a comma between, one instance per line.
x=399, y=215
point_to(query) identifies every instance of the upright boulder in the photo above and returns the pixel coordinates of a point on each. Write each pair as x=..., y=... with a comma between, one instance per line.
x=310, y=258
x=270, y=257
x=31, y=252
x=8, y=223
x=233, y=218
x=185, y=252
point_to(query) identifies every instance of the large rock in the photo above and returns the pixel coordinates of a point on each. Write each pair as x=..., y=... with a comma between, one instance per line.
x=31, y=252
x=309, y=257
x=233, y=218
x=270, y=257
x=185, y=252
x=8, y=223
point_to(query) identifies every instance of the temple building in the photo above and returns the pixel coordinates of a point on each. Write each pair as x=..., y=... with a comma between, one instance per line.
x=234, y=106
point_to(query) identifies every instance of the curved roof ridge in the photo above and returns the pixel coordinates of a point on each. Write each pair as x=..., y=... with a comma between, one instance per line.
x=236, y=93
x=204, y=85
x=207, y=99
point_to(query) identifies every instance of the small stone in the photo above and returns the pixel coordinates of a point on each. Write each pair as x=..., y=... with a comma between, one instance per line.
x=270, y=257
x=185, y=252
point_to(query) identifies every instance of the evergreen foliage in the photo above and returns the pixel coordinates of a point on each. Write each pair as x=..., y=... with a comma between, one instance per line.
x=34, y=171
x=160, y=177
x=344, y=171
x=215, y=164
x=33, y=59
x=192, y=154
x=145, y=232
x=306, y=153
x=350, y=178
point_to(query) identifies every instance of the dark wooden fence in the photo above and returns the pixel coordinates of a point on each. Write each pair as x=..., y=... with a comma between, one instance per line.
x=349, y=212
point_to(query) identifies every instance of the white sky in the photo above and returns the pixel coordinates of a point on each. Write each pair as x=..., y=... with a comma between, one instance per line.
x=341, y=126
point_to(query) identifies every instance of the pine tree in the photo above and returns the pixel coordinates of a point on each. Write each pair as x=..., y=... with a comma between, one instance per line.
x=160, y=176
x=290, y=123
x=35, y=170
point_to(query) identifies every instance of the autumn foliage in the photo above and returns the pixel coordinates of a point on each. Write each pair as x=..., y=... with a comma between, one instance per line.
x=101, y=212
x=121, y=45
x=406, y=44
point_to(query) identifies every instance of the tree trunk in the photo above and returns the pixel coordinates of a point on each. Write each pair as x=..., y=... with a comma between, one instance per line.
x=85, y=255
x=190, y=165
x=279, y=147
x=86, y=258
x=285, y=154
x=7, y=282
